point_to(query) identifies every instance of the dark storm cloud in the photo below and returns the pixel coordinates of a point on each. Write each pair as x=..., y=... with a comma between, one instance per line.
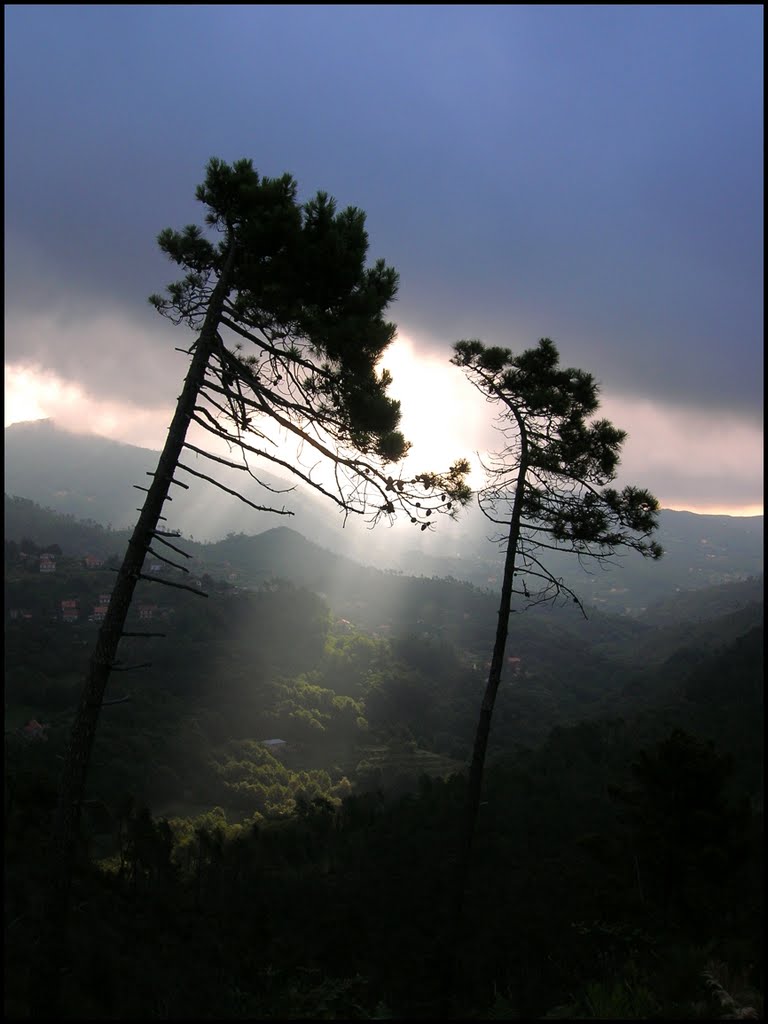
x=589, y=173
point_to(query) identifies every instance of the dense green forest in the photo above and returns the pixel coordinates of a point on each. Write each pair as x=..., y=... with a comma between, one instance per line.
x=273, y=814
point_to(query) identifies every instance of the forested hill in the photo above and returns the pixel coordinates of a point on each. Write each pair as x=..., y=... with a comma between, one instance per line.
x=701, y=552
x=579, y=668
x=276, y=796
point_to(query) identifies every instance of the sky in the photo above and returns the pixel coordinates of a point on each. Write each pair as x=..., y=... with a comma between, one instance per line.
x=591, y=173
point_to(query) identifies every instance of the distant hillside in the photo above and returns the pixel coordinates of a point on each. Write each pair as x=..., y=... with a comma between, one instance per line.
x=75, y=536
x=81, y=475
x=92, y=478
x=282, y=552
x=561, y=668
x=705, y=603
x=384, y=601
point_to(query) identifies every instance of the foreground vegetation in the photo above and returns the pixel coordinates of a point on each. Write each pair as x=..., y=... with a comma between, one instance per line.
x=618, y=870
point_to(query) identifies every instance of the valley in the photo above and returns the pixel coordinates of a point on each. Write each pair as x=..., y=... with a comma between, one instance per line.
x=311, y=711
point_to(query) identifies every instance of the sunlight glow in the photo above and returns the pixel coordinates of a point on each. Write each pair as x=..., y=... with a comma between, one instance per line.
x=442, y=416
x=27, y=394
x=32, y=393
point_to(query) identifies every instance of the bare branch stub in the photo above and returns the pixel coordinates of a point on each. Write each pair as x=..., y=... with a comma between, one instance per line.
x=161, y=537
x=177, y=482
x=169, y=583
x=181, y=568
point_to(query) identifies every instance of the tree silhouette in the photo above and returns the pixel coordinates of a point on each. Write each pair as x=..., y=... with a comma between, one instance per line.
x=548, y=489
x=291, y=281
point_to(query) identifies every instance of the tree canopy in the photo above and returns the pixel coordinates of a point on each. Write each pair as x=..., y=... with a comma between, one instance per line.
x=301, y=332
x=552, y=472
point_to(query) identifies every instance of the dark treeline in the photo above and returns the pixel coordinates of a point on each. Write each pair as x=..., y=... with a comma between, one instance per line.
x=617, y=871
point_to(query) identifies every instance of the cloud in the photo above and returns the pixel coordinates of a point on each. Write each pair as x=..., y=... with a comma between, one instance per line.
x=694, y=459
x=512, y=188
x=33, y=392
x=689, y=459
x=443, y=416
x=590, y=174
x=106, y=353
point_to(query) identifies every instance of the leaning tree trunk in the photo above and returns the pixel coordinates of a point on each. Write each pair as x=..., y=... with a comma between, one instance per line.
x=45, y=977
x=457, y=930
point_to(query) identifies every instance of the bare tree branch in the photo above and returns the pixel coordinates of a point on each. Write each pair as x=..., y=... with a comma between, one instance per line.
x=259, y=508
x=177, y=482
x=167, y=561
x=245, y=467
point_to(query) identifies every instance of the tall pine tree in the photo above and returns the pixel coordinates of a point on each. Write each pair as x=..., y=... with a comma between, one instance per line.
x=289, y=280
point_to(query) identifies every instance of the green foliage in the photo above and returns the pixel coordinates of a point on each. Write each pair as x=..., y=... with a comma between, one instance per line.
x=258, y=784
x=625, y=999
x=311, y=915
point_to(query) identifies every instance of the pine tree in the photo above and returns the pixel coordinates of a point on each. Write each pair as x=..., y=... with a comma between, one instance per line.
x=548, y=489
x=291, y=280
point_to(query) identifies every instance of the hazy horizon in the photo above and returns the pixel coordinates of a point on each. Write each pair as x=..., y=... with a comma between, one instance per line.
x=155, y=448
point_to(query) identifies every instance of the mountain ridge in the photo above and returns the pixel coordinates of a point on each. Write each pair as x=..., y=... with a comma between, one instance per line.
x=92, y=477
